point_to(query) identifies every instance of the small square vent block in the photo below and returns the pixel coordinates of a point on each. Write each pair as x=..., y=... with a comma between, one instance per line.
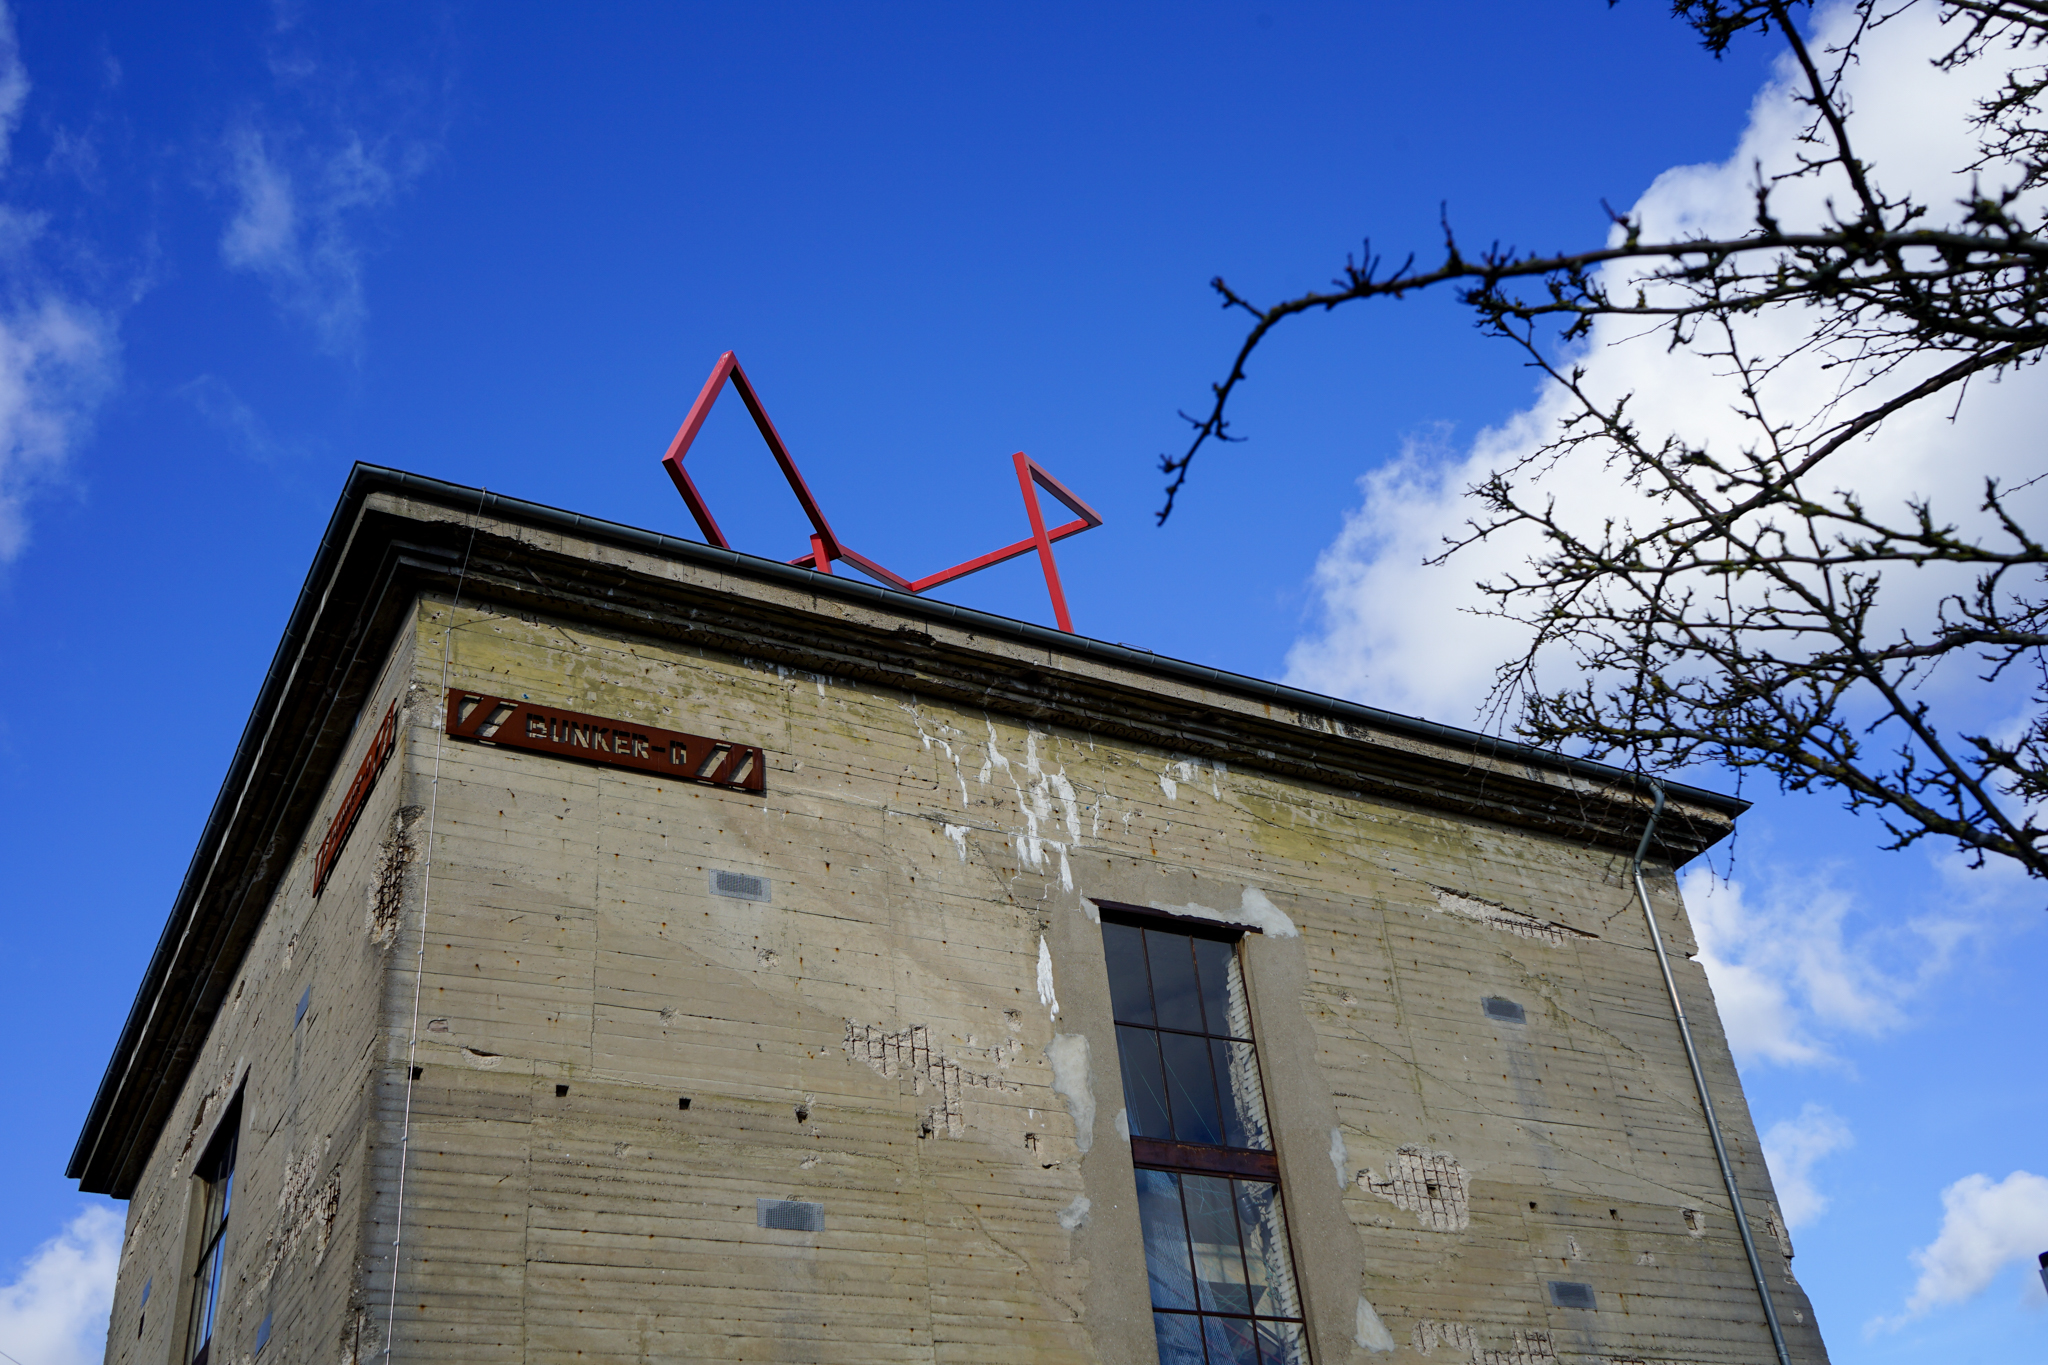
x=789, y=1215
x=1566, y=1294
x=742, y=886
x=1497, y=1008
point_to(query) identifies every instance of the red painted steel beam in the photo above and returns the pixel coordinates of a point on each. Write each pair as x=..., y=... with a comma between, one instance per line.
x=826, y=546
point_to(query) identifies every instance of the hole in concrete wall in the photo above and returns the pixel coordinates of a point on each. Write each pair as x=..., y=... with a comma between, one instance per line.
x=803, y=1113
x=789, y=1215
x=418, y=1072
x=1568, y=1294
x=263, y=1333
x=1497, y=1008
x=683, y=1102
x=741, y=886
x=305, y=1003
x=1431, y=1185
x=561, y=1090
x=1695, y=1222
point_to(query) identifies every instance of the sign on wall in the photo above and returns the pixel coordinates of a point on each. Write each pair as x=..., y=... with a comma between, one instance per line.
x=598, y=739
x=344, y=820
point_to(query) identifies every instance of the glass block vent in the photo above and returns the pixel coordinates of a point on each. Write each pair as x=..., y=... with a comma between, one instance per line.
x=1566, y=1294
x=1497, y=1008
x=741, y=886
x=789, y=1215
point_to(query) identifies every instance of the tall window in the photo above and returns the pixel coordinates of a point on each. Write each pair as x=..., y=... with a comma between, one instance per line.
x=217, y=1172
x=1216, y=1250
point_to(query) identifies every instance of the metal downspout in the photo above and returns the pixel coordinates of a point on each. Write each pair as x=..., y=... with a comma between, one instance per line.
x=1699, y=1080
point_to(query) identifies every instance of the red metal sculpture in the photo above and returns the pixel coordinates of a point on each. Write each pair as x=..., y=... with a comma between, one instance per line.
x=826, y=546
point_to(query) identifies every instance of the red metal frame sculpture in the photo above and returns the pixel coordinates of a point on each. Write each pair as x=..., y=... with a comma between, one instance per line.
x=826, y=545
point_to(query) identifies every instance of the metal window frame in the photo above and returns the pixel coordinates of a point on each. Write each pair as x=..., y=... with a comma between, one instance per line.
x=1173, y=1157
x=209, y=1268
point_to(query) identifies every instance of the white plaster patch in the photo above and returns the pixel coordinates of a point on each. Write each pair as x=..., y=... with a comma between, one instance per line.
x=941, y=740
x=1046, y=996
x=1254, y=909
x=1369, y=1331
x=1075, y=1214
x=1189, y=770
x=1068, y=1053
x=1339, y=1160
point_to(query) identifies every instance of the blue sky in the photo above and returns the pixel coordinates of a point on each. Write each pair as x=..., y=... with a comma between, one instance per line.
x=242, y=246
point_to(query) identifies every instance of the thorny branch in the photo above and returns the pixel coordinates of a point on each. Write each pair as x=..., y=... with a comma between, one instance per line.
x=1748, y=625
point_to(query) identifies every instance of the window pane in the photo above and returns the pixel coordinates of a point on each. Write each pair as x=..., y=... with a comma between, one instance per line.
x=1173, y=980
x=1130, y=993
x=1144, y=1083
x=1213, y=961
x=1191, y=1087
x=1166, y=1240
x=1180, y=1338
x=1280, y=1344
x=1219, y=1259
x=1230, y=1341
x=1244, y=1101
x=1265, y=1250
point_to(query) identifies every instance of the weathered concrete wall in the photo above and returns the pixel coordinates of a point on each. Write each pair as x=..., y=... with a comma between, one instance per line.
x=914, y=1031
x=295, y=1227
x=878, y=1038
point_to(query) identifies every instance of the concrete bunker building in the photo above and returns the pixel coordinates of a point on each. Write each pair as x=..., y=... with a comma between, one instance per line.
x=610, y=948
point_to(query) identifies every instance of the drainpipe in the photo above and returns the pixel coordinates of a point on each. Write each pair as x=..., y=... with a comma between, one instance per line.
x=1699, y=1080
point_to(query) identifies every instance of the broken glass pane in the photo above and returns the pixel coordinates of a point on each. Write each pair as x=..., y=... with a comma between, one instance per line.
x=1191, y=1089
x=1218, y=1253
x=1265, y=1250
x=1166, y=1240
x=1174, y=991
x=1244, y=1101
x=1144, y=1083
x=1130, y=992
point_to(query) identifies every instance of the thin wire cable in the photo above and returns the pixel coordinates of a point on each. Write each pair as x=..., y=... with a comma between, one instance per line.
x=419, y=975
x=1699, y=1080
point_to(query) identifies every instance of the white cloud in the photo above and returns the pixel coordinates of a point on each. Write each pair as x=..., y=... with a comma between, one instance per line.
x=1792, y=964
x=56, y=353
x=1401, y=635
x=1791, y=1147
x=55, y=1312
x=296, y=225
x=13, y=83
x=56, y=363
x=1986, y=1225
